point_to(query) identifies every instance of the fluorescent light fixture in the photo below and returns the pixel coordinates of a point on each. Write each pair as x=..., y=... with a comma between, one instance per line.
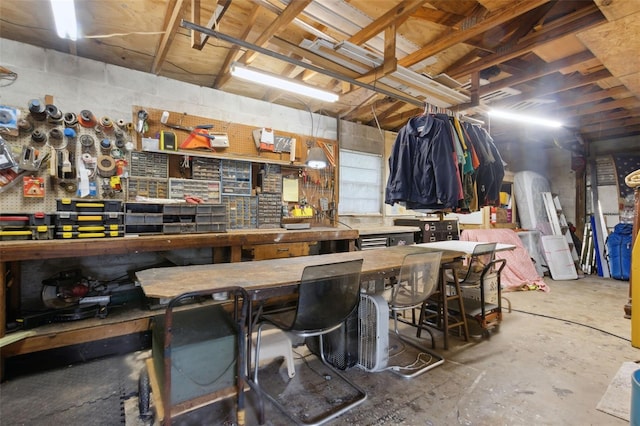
x=64, y=15
x=524, y=118
x=281, y=83
x=316, y=158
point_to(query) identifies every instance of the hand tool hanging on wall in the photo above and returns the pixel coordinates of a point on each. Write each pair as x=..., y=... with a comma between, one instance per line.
x=141, y=125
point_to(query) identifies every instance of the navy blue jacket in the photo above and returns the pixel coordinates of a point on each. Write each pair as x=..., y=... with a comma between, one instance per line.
x=422, y=172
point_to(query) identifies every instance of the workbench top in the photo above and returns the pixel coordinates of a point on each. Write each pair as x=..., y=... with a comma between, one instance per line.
x=54, y=249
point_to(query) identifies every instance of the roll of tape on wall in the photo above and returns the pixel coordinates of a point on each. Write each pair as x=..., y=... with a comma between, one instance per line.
x=106, y=166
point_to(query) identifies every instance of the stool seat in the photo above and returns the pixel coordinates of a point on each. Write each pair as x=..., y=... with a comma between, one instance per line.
x=274, y=344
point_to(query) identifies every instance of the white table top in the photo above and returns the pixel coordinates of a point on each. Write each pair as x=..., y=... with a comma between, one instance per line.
x=463, y=246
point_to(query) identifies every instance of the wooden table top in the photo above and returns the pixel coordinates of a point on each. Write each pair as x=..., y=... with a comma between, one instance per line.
x=266, y=274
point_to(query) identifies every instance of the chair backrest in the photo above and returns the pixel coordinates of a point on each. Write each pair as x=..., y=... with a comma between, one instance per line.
x=418, y=279
x=327, y=295
x=481, y=256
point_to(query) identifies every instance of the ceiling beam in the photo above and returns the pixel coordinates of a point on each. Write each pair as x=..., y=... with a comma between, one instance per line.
x=167, y=37
x=585, y=98
x=579, y=20
x=390, y=63
x=612, y=133
x=610, y=124
x=451, y=39
x=397, y=15
x=289, y=13
x=365, y=107
x=537, y=72
x=550, y=85
x=395, y=106
x=626, y=103
x=223, y=76
x=586, y=120
x=198, y=40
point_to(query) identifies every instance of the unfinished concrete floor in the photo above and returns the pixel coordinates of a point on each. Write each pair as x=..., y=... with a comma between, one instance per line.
x=550, y=364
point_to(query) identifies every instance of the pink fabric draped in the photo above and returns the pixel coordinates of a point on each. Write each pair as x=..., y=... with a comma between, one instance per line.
x=519, y=273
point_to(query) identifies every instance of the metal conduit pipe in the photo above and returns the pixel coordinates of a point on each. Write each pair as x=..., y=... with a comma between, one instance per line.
x=259, y=49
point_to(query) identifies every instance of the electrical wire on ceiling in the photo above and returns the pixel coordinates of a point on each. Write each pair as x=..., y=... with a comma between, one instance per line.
x=375, y=116
x=123, y=34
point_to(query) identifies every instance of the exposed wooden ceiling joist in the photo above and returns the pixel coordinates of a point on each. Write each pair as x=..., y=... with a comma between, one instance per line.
x=564, y=58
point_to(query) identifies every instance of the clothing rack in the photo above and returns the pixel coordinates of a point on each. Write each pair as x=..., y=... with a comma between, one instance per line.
x=434, y=109
x=471, y=120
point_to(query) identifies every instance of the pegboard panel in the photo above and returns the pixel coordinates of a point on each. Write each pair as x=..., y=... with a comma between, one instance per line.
x=316, y=187
x=241, y=140
x=99, y=144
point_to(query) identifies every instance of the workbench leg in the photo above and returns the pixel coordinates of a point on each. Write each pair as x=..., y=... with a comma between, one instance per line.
x=3, y=311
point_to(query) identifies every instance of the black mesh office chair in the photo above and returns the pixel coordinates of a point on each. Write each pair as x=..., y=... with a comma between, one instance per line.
x=418, y=279
x=327, y=295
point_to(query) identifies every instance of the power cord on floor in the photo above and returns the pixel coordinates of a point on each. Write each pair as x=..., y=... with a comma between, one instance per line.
x=418, y=363
x=306, y=362
x=573, y=322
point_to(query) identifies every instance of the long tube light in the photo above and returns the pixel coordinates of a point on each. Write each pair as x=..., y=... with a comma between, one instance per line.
x=64, y=15
x=524, y=118
x=281, y=83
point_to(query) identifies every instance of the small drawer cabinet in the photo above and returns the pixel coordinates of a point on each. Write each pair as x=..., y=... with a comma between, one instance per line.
x=432, y=230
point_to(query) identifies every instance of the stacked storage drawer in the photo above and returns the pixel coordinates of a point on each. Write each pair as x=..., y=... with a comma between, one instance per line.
x=143, y=218
x=152, y=218
x=25, y=226
x=89, y=218
x=236, y=177
x=192, y=218
x=432, y=230
x=270, y=197
x=269, y=210
x=206, y=190
x=241, y=211
x=211, y=218
x=149, y=173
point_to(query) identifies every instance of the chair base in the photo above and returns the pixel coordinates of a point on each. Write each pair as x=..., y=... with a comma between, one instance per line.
x=358, y=399
x=409, y=372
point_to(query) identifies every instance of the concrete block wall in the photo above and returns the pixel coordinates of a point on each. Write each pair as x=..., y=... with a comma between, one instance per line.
x=108, y=90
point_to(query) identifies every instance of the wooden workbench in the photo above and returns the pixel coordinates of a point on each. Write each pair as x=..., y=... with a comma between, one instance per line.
x=13, y=253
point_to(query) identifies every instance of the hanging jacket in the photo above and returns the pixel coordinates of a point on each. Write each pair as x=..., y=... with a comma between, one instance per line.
x=490, y=172
x=422, y=172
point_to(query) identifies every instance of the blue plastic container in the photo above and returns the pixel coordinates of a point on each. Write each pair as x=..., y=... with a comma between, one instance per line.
x=634, y=415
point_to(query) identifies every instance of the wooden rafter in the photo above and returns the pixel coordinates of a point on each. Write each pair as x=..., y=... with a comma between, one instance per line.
x=390, y=63
x=550, y=85
x=223, y=76
x=583, y=18
x=288, y=14
x=461, y=36
x=167, y=37
x=198, y=40
x=376, y=101
x=396, y=15
x=394, y=107
x=537, y=72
